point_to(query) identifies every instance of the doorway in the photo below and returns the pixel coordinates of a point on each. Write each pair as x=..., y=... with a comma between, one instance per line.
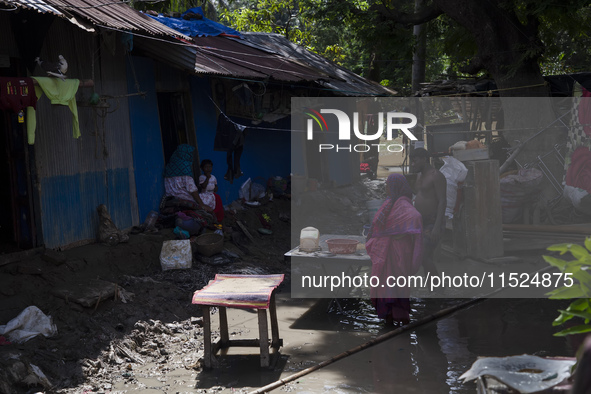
x=17, y=228
x=176, y=124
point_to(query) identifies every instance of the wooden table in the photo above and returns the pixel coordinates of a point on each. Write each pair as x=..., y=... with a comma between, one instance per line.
x=330, y=264
x=244, y=292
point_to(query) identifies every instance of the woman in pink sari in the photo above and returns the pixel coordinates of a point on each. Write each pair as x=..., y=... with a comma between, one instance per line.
x=394, y=244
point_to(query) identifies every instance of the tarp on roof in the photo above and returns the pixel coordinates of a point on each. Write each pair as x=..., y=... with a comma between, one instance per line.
x=193, y=23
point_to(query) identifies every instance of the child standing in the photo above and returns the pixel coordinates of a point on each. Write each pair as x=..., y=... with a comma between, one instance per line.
x=208, y=186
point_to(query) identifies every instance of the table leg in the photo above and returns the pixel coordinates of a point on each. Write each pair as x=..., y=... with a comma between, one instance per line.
x=263, y=337
x=274, y=326
x=206, y=336
x=224, y=336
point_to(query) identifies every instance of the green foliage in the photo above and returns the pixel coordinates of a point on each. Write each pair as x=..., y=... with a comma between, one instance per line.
x=576, y=269
x=364, y=36
x=564, y=30
x=288, y=18
x=449, y=49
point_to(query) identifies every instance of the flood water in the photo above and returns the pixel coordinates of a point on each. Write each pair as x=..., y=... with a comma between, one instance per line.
x=431, y=358
x=427, y=359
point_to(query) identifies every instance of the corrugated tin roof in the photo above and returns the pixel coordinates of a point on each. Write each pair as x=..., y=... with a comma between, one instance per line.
x=228, y=54
x=220, y=56
x=250, y=59
x=106, y=13
x=341, y=79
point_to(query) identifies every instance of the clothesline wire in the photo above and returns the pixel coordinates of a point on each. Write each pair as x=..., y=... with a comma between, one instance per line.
x=242, y=127
x=299, y=130
x=490, y=91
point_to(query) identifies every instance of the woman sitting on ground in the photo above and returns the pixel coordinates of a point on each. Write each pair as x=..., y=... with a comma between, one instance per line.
x=179, y=183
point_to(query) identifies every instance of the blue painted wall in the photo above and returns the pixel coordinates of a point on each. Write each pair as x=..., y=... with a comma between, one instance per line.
x=148, y=159
x=69, y=204
x=266, y=147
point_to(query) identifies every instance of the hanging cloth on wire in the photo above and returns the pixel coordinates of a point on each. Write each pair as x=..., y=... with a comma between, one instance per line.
x=229, y=137
x=58, y=92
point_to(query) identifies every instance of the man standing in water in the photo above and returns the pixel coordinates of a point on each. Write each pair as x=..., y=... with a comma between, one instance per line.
x=430, y=200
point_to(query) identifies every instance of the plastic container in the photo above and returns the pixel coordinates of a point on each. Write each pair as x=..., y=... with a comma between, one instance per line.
x=372, y=208
x=342, y=245
x=309, y=239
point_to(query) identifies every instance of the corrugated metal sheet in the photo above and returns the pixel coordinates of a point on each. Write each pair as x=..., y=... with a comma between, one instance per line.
x=234, y=53
x=220, y=56
x=259, y=58
x=76, y=175
x=40, y=6
x=105, y=13
x=340, y=78
x=281, y=60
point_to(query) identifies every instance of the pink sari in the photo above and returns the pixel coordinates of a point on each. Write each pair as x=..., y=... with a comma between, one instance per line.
x=395, y=248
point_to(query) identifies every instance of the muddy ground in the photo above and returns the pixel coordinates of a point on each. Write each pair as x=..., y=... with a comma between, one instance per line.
x=144, y=322
x=144, y=326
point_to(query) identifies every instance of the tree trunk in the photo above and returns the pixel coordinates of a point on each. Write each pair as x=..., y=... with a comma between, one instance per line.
x=418, y=59
x=509, y=51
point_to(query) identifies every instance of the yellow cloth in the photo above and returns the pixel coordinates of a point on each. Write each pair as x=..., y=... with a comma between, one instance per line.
x=58, y=92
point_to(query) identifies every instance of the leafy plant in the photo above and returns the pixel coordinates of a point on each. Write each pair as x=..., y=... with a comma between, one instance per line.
x=578, y=270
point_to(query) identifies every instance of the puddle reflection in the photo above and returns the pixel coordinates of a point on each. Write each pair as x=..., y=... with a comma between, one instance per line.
x=432, y=357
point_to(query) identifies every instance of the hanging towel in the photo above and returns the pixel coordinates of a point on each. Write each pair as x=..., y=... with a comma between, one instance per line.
x=58, y=92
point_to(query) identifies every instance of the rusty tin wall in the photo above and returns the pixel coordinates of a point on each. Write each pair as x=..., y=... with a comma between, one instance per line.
x=76, y=175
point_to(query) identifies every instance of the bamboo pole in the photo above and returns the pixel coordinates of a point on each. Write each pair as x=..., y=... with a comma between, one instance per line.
x=374, y=341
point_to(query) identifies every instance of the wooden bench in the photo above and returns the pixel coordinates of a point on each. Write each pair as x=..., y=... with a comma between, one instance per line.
x=243, y=292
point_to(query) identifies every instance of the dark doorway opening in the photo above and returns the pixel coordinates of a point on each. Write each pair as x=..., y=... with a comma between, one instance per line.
x=176, y=124
x=17, y=230
x=17, y=214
